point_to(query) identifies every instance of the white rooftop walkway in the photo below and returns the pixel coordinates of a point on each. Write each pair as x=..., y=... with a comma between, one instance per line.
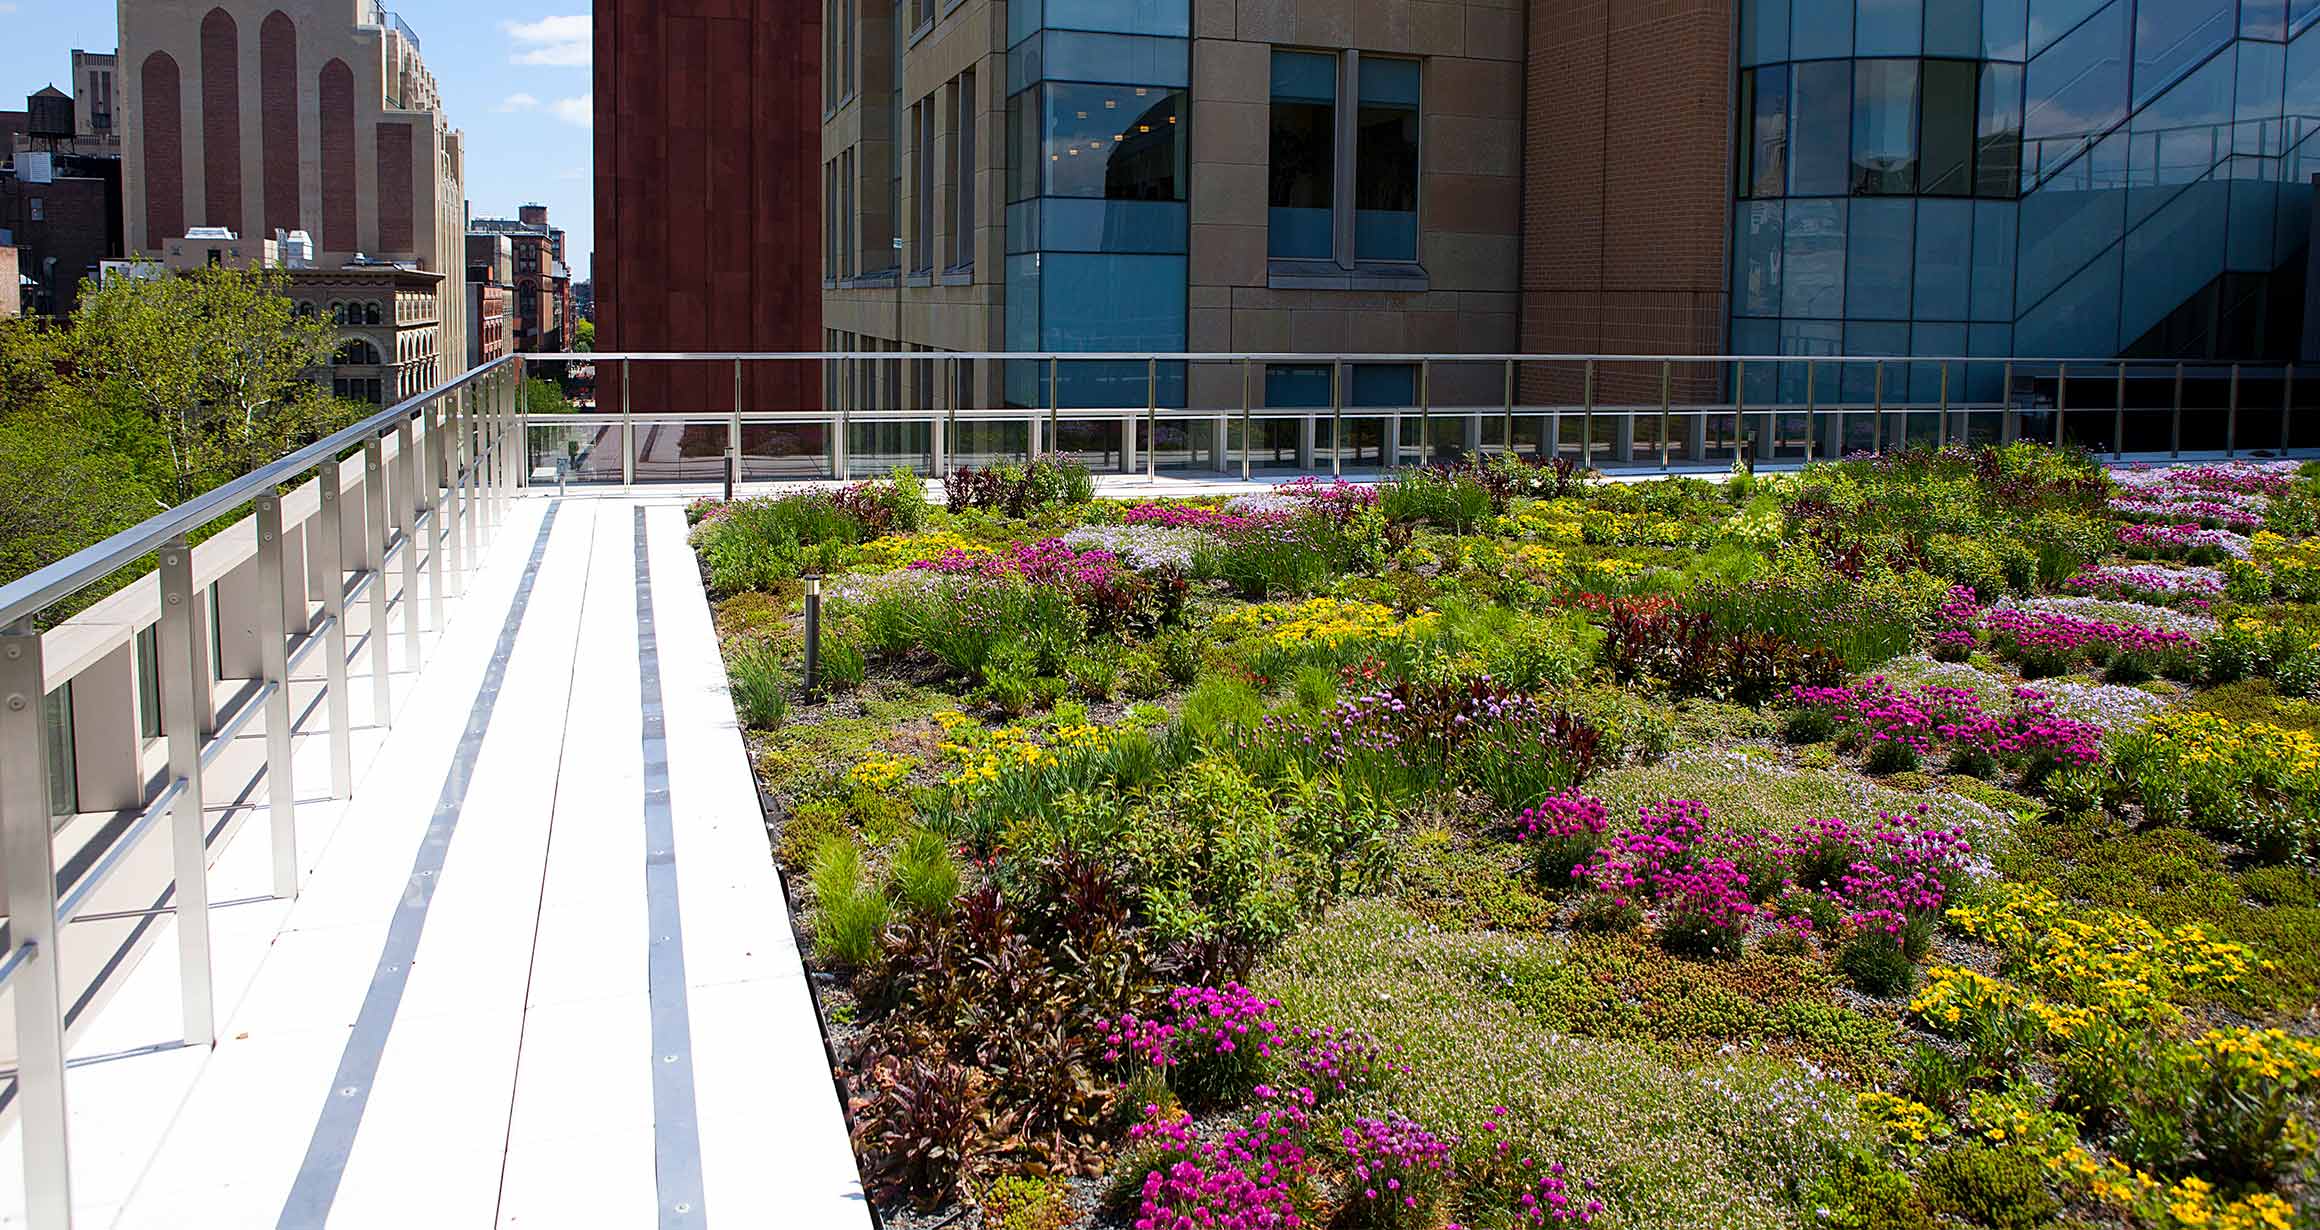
x=541, y=972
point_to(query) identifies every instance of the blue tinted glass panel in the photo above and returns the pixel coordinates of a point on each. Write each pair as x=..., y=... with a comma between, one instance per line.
x=1993, y=292
x=1764, y=149
x=1302, y=177
x=2004, y=29
x=2174, y=254
x=1065, y=224
x=1945, y=155
x=1299, y=233
x=2298, y=10
x=1860, y=379
x=2301, y=95
x=1101, y=302
x=1023, y=303
x=1945, y=253
x=1925, y=378
x=2170, y=37
x=1763, y=31
x=1304, y=76
x=1756, y=247
x=1389, y=82
x=1880, y=243
x=1381, y=385
x=1385, y=163
x=1758, y=337
x=1998, y=132
x=2064, y=225
x=1170, y=17
x=1810, y=337
x=2264, y=19
x=2179, y=138
x=1888, y=27
x=1074, y=56
x=2292, y=219
x=1884, y=127
x=1953, y=28
x=1299, y=387
x=1820, y=28
x=2052, y=19
x=2078, y=86
x=1385, y=234
x=1820, y=117
x=2080, y=318
x=1813, y=263
x=2256, y=99
x=2252, y=204
x=1022, y=20
x=1986, y=382
x=1117, y=142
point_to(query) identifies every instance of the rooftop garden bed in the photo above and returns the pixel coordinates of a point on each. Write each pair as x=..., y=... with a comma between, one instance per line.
x=1917, y=841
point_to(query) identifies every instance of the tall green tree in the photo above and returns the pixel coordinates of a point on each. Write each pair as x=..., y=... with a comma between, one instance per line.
x=216, y=361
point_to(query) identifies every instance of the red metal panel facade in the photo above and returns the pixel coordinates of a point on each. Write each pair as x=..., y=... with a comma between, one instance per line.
x=708, y=199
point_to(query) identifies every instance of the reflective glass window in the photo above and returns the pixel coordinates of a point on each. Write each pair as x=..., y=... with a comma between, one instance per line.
x=2181, y=137
x=2256, y=102
x=1304, y=154
x=2172, y=36
x=1074, y=55
x=1758, y=337
x=1104, y=301
x=1945, y=252
x=1170, y=17
x=1381, y=384
x=2081, y=317
x=1023, y=156
x=1763, y=31
x=1860, y=379
x=1302, y=386
x=1820, y=28
x=2078, y=86
x=1879, y=246
x=2004, y=30
x=2069, y=220
x=1884, y=127
x=1810, y=337
x=2252, y=203
x=2298, y=10
x=1944, y=340
x=2175, y=252
x=1117, y=142
x=2300, y=89
x=1764, y=143
x=1812, y=270
x=1385, y=162
x=2264, y=19
x=1986, y=382
x=1998, y=132
x=2050, y=20
x=1888, y=27
x=1993, y=290
x=1946, y=148
x=1820, y=119
x=1953, y=28
x=1756, y=256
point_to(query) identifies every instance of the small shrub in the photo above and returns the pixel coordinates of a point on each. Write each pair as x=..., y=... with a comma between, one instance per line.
x=1999, y=1188
x=919, y=1127
x=803, y=831
x=760, y=687
x=926, y=877
x=1875, y=964
x=1934, y=1076
x=1863, y=1195
x=1025, y=1202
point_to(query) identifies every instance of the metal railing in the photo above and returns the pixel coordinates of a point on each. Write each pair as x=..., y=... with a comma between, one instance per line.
x=429, y=476
x=1641, y=411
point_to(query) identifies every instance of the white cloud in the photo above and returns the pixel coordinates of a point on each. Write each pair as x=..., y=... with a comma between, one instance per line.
x=7, y=8
x=556, y=42
x=579, y=111
x=519, y=102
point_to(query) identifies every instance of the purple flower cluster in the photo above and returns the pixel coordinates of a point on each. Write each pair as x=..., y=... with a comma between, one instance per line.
x=2181, y=538
x=2230, y=495
x=1934, y=717
x=1197, y=1022
x=2052, y=642
x=1191, y=517
x=1246, y=1179
x=1662, y=860
x=2191, y=587
x=1538, y=1195
x=1333, y=1061
x=1563, y=816
x=1336, y=498
x=1882, y=877
x=1957, y=625
x=1048, y=561
x=1398, y=1172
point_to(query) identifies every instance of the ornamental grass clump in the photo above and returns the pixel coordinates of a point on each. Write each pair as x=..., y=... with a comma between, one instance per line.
x=1397, y=1175
x=1212, y=1044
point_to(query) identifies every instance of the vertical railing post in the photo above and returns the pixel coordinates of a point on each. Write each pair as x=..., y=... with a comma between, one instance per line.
x=1248, y=440
x=1425, y=417
x=332, y=556
x=1506, y=409
x=1941, y=420
x=2231, y=417
x=2119, y=417
x=1336, y=418
x=628, y=429
x=1055, y=403
x=374, y=564
x=2287, y=399
x=407, y=517
x=1667, y=389
x=432, y=491
x=1151, y=418
x=274, y=670
x=1587, y=420
x=1739, y=408
x=2008, y=425
x=733, y=432
x=180, y=684
x=455, y=516
x=1811, y=403
x=2061, y=399
x=2175, y=428
x=30, y=859
x=522, y=411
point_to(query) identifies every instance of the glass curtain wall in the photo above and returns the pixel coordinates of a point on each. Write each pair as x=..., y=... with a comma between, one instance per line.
x=2019, y=177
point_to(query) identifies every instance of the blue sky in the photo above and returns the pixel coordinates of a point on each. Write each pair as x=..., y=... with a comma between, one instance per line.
x=514, y=75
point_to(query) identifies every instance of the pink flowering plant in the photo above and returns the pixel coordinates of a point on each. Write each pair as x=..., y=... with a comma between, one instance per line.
x=1117, y=596
x=1397, y=1175
x=1561, y=831
x=1212, y=1044
x=1899, y=728
x=1258, y=1177
x=1511, y=1188
x=2047, y=642
x=1330, y=1061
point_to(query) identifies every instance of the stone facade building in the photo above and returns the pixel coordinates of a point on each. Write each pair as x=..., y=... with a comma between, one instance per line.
x=293, y=115
x=541, y=285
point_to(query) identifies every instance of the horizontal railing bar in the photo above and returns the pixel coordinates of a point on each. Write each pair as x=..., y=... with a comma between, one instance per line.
x=30, y=594
x=70, y=907
x=304, y=647
x=1311, y=359
x=17, y=959
x=230, y=727
x=161, y=911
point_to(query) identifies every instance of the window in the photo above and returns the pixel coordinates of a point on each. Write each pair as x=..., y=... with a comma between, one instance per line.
x=1304, y=155
x=1763, y=31
x=357, y=352
x=1821, y=28
x=1313, y=156
x=1884, y=127
x=1888, y=28
x=370, y=313
x=846, y=47
x=63, y=775
x=1998, y=132
x=833, y=221
x=1946, y=150
x=922, y=230
x=39, y=208
x=1820, y=117
x=1763, y=109
x=963, y=173
x=1114, y=142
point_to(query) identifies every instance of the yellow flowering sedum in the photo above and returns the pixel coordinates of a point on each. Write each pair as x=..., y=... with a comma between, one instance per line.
x=880, y=771
x=886, y=554
x=2109, y=961
x=1904, y=1123
x=1325, y=622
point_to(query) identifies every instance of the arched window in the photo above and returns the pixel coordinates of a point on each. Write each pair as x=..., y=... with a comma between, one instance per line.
x=370, y=313
x=357, y=352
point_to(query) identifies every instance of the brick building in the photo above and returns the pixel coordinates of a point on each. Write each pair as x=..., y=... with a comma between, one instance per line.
x=293, y=115
x=490, y=297
x=60, y=198
x=542, y=285
x=707, y=215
